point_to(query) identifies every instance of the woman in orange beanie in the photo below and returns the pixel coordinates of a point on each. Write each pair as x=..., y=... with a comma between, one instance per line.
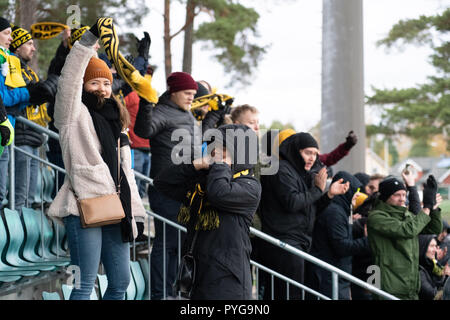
x=90, y=123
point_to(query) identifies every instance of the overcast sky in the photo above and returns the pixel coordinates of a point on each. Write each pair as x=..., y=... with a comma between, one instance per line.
x=287, y=85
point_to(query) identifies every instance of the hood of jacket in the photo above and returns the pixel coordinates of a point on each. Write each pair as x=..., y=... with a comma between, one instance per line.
x=424, y=242
x=289, y=151
x=345, y=200
x=241, y=142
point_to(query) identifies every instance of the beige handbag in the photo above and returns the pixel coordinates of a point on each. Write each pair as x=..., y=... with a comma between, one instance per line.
x=103, y=210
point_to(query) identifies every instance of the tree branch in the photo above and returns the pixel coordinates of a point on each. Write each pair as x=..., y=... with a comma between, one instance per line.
x=191, y=19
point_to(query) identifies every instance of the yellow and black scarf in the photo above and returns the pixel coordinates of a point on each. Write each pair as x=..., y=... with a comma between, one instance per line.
x=142, y=85
x=207, y=215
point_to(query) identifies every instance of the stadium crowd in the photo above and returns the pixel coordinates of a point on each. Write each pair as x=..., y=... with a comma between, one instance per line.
x=187, y=140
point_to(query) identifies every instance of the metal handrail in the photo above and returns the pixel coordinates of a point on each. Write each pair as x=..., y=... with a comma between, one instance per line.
x=336, y=272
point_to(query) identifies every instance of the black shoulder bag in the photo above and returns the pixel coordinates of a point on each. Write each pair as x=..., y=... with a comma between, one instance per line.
x=184, y=282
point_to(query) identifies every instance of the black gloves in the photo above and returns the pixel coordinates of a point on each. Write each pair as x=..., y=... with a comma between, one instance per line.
x=429, y=192
x=3, y=113
x=94, y=29
x=350, y=140
x=40, y=92
x=143, y=46
x=5, y=133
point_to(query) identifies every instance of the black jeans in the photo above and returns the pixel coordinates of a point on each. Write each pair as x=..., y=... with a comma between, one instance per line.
x=167, y=208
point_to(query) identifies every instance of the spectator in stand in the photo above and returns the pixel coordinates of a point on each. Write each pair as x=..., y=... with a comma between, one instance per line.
x=26, y=168
x=362, y=261
x=432, y=275
x=333, y=241
x=220, y=196
x=91, y=122
x=14, y=92
x=373, y=184
x=443, y=240
x=158, y=123
x=247, y=115
x=393, y=235
x=364, y=178
x=290, y=200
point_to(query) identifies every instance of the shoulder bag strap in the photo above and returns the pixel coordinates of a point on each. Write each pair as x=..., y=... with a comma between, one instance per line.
x=118, y=165
x=191, y=249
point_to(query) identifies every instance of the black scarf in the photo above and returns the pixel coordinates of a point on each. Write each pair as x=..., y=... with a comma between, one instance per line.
x=108, y=128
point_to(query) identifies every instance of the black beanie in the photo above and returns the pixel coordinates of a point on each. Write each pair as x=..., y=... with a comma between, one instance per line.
x=4, y=24
x=390, y=186
x=201, y=91
x=305, y=140
x=364, y=178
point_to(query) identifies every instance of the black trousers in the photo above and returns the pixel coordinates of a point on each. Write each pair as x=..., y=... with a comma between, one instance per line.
x=287, y=264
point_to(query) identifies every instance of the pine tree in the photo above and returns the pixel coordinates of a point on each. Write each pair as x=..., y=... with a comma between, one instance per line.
x=422, y=111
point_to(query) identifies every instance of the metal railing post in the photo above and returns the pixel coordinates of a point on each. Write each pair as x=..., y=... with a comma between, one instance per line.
x=12, y=177
x=164, y=260
x=335, y=286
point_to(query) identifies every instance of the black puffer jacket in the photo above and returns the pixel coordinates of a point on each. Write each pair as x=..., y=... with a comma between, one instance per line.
x=222, y=254
x=290, y=198
x=333, y=241
x=159, y=123
x=24, y=135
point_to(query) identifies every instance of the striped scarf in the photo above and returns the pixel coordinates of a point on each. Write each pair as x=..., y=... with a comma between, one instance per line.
x=207, y=215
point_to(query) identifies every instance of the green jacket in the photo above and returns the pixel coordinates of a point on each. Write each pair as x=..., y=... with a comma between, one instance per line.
x=393, y=234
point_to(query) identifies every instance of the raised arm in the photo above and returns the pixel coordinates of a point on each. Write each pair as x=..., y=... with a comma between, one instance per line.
x=70, y=85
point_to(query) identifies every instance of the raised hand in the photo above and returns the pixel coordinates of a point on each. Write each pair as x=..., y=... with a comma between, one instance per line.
x=409, y=179
x=429, y=193
x=351, y=140
x=338, y=187
x=320, y=180
x=143, y=46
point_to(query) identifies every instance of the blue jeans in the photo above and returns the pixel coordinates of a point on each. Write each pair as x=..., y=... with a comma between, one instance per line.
x=167, y=208
x=4, y=173
x=89, y=246
x=141, y=165
x=26, y=172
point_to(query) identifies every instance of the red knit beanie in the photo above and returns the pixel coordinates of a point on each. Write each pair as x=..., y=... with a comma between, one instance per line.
x=97, y=68
x=179, y=81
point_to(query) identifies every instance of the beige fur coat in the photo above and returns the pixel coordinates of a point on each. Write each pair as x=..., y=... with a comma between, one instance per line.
x=89, y=174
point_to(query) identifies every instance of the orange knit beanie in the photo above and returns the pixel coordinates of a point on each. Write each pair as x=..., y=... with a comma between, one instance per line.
x=97, y=68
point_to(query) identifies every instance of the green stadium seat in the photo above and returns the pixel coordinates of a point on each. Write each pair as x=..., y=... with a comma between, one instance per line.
x=146, y=273
x=32, y=231
x=9, y=278
x=57, y=245
x=5, y=269
x=102, y=281
x=49, y=183
x=37, y=194
x=131, y=290
x=48, y=236
x=139, y=279
x=50, y=295
x=16, y=240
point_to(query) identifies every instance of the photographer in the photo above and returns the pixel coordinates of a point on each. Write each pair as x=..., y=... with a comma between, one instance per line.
x=393, y=232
